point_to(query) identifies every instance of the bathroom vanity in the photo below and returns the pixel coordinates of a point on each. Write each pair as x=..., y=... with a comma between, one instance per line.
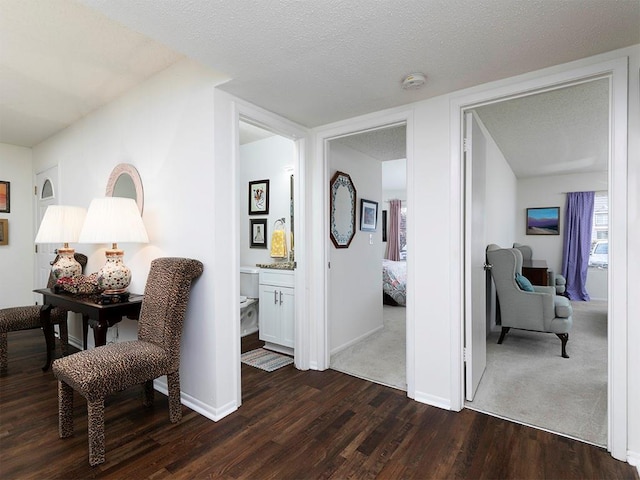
x=277, y=309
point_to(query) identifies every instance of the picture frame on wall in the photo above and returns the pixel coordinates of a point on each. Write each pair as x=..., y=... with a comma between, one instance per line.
x=259, y=197
x=384, y=225
x=4, y=231
x=368, y=215
x=5, y=197
x=258, y=232
x=543, y=221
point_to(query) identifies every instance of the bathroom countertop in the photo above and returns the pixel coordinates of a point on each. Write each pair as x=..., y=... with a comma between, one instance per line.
x=278, y=266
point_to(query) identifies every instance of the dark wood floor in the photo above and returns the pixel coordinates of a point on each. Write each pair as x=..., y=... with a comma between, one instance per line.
x=292, y=424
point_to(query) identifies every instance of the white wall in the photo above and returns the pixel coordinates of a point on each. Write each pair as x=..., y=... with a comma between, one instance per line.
x=355, y=303
x=165, y=129
x=265, y=159
x=16, y=258
x=500, y=195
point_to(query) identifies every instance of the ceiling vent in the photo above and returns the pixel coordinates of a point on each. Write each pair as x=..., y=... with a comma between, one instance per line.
x=413, y=81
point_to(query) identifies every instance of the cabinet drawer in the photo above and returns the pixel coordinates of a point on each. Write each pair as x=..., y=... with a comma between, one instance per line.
x=282, y=278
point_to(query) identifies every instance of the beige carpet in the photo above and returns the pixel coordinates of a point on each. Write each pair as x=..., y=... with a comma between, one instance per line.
x=528, y=381
x=380, y=357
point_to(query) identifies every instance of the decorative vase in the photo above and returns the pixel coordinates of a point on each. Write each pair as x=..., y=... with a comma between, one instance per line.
x=66, y=266
x=114, y=277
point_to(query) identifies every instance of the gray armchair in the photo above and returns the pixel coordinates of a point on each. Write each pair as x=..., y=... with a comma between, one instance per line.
x=555, y=279
x=540, y=310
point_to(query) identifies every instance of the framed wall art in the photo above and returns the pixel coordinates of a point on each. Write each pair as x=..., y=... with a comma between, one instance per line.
x=4, y=231
x=543, y=221
x=259, y=197
x=5, y=197
x=368, y=215
x=258, y=232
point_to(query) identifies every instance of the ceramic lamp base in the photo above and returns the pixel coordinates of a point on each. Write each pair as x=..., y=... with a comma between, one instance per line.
x=66, y=266
x=114, y=277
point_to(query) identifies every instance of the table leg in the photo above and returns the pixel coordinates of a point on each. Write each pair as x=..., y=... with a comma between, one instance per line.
x=100, y=333
x=47, y=329
x=85, y=330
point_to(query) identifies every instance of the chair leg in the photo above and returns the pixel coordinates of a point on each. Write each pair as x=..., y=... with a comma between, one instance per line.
x=147, y=393
x=175, y=408
x=3, y=351
x=65, y=410
x=564, y=338
x=504, y=332
x=64, y=338
x=95, y=412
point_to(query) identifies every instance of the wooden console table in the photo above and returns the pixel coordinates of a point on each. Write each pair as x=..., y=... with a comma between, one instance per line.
x=536, y=271
x=100, y=316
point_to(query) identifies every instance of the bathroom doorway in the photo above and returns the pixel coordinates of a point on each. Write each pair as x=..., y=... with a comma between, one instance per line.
x=267, y=162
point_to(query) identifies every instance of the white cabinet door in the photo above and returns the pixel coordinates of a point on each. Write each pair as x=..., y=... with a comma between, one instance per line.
x=287, y=310
x=269, y=314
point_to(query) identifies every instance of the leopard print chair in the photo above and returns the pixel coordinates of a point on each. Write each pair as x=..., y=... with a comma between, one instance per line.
x=111, y=368
x=27, y=317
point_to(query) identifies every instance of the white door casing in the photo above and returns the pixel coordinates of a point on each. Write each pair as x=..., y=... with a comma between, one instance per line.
x=47, y=194
x=475, y=276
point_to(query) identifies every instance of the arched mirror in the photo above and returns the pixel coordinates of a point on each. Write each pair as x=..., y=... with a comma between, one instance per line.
x=343, y=210
x=125, y=181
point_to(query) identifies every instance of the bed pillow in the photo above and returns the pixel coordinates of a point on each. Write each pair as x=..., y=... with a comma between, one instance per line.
x=524, y=283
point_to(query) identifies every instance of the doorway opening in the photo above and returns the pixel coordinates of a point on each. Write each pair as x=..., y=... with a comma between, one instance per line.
x=367, y=279
x=537, y=148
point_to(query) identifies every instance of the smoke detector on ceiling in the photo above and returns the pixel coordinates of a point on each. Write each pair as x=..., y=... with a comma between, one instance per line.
x=414, y=81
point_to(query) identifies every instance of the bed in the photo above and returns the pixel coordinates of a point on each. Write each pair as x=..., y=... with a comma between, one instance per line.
x=394, y=283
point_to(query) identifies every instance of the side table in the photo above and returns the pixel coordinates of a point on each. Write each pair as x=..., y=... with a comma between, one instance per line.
x=100, y=316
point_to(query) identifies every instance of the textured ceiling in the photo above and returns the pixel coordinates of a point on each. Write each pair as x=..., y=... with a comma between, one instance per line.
x=320, y=61
x=558, y=132
x=59, y=61
x=313, y=62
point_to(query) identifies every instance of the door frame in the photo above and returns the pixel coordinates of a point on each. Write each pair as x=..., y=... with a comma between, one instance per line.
x=262, y=118
x=617, y=72
x=319, y=306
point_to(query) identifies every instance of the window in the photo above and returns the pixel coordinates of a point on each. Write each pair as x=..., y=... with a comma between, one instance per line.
x=403, y=233
x=599, y=256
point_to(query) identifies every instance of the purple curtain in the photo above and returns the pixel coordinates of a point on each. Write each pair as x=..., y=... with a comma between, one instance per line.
x=393, y=241
x=577, y=243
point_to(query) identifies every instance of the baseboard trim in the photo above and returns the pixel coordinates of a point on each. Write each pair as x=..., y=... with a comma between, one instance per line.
x=356, y=340
x=433, y=400
x=633, y=458
x=196, y=405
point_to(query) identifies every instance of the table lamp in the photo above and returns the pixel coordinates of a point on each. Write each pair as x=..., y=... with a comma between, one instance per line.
x=62, y=224
x=113, y=220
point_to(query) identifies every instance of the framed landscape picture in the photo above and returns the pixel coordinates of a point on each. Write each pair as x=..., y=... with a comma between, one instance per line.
x=5, y=197
x=543, y=221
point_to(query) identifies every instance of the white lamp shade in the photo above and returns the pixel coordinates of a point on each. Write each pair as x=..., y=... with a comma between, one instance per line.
x=113, y=220
x=61, y=224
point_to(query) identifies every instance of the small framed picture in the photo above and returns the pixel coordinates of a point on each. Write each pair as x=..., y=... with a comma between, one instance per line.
x=259, y=197
x=368, y=215
x=5, y=197
x=258, y=232
x=384, y=225
x=543, y=221
x=4, y=231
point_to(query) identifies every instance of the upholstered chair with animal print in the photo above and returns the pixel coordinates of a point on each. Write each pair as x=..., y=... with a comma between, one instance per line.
x=114, y=367
x=26, y=317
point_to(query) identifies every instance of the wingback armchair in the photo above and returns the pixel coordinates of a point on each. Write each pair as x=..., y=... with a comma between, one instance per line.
x=538, y=310
x=555, y=279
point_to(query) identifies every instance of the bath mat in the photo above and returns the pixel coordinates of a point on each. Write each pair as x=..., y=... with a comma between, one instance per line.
x=265, y=360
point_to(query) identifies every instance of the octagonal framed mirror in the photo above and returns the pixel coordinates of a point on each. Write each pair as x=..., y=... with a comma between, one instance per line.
x=342, y=217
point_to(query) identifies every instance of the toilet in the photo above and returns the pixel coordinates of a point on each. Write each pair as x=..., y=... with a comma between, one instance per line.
x=249, y=292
